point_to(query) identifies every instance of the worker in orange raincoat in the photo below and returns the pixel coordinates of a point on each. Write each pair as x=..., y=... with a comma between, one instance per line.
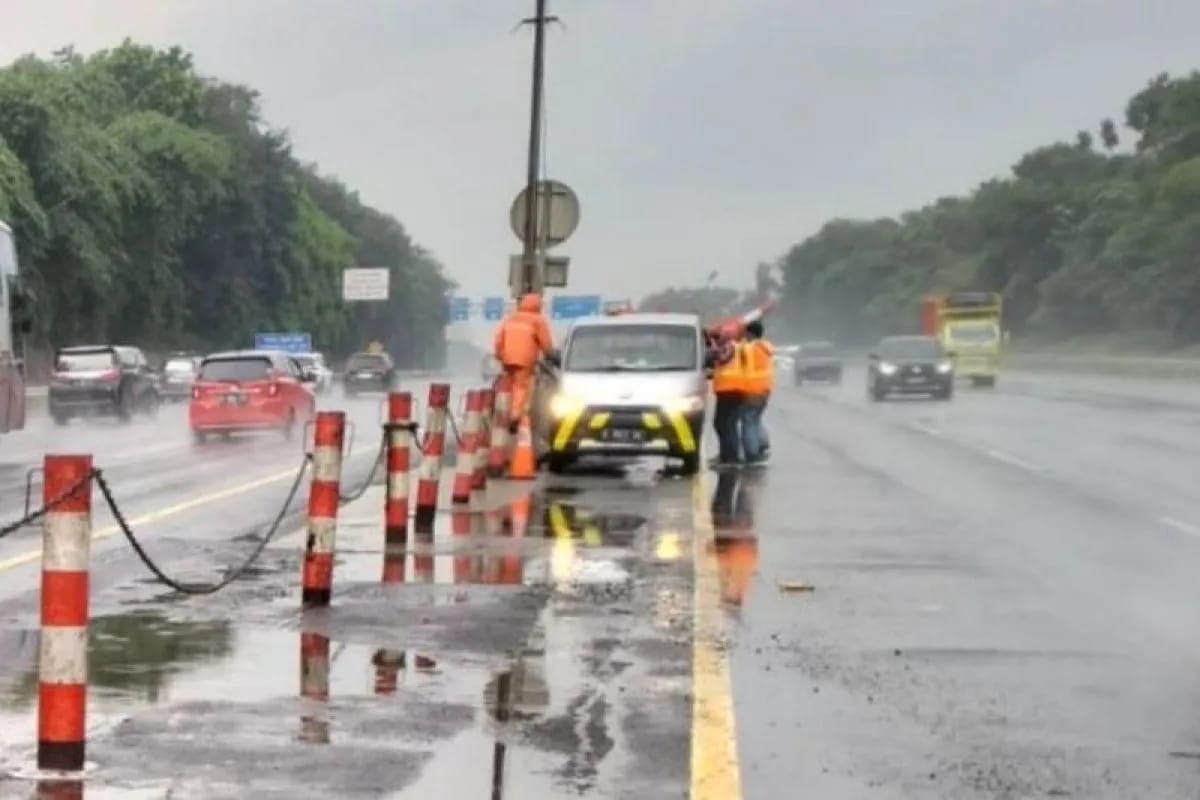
x=522, y=338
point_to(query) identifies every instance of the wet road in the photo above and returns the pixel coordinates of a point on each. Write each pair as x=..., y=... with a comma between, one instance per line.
x=987, y=598
x=1005, y=601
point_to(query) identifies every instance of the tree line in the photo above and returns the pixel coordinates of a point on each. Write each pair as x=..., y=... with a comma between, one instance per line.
x=1093, y=238
x=153, y=206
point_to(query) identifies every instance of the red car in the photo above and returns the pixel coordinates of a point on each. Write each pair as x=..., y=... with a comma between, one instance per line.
x=250, y=390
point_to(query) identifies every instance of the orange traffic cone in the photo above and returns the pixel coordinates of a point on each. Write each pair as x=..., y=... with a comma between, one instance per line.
x=524, y=462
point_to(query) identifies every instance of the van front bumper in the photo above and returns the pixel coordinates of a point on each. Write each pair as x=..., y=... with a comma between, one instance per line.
x=625, y=431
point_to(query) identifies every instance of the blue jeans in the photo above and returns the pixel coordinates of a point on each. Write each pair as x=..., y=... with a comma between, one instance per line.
x=754, y=436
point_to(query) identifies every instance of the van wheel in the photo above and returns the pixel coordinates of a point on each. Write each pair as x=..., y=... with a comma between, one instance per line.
x=690, y=465
x=199, y=437
x=558, y=465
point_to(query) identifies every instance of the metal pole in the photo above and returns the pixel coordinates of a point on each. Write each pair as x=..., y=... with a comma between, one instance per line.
x=528, y=264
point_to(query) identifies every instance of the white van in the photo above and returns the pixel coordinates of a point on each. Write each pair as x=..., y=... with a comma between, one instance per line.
x=630, y=384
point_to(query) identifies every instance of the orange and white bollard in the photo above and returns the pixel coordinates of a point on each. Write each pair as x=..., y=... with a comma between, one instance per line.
x=317, y=578
x=483, y=444
x=314, y=686
x=464, y=474
x=423, y=559
x=395, y=504
x=431, y=455
x=62, y=668
x=501, y=439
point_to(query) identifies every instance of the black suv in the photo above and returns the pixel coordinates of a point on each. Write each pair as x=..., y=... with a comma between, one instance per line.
x=910, y=365
x=101, y=380
x=368, y=372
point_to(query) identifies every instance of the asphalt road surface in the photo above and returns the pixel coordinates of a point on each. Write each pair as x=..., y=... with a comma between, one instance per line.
x=992, y=597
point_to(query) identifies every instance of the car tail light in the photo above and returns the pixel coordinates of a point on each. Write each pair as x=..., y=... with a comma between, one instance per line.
x=111, y=375
x=272, y=389
x=195, y=392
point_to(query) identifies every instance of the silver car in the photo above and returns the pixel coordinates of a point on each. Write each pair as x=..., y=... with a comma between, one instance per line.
x=631, y=384
x=315, y=363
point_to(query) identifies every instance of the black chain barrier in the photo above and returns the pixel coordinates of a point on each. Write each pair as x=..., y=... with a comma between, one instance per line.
x=366, y=484
x=200, y=588
x=453, y=427
x=36, y=515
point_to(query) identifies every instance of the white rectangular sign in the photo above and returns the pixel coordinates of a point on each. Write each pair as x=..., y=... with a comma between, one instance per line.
x=365, y=283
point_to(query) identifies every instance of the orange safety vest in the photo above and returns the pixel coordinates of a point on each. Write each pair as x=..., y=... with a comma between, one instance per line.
x=760, y=372
x=521, y=338
x=731, y=376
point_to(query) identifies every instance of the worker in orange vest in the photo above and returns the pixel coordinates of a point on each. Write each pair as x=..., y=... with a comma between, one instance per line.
x=522, y=338
x=728, y=381
x=758, y=382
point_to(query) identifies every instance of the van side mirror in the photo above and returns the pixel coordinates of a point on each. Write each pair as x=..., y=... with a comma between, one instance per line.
x=308, y=375
x=873, y=356
x=951, y=354
x=554, y=357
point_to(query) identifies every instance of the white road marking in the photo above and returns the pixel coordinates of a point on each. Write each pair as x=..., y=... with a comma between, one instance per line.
x=1180, y=525
x=929, y=430
x=1012, y=460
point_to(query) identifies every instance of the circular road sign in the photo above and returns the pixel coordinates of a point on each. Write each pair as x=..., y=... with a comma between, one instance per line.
x=557, y=209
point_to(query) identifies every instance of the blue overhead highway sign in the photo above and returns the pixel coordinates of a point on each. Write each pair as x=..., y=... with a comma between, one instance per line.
x=460, y=309
x=493, y=308
x=575, y=306
x=287, y=342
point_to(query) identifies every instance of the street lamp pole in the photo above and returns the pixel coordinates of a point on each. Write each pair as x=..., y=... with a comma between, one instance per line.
x=529, y=283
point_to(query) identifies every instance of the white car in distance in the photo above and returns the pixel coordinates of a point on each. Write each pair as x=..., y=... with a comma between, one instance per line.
x=315, y=362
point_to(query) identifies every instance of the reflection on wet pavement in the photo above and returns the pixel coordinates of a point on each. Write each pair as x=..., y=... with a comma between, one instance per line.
x=735, y=539
x=527, y=641
x=134, y=656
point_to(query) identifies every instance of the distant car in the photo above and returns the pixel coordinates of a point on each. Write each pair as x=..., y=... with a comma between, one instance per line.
x=101, y=380
x=910, y=365
x=315, y=363
x=817, y=361
x=250, y=390
x=368, y=372
x=178, y=375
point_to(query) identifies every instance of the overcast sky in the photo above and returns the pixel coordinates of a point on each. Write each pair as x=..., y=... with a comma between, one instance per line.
x=699, y=134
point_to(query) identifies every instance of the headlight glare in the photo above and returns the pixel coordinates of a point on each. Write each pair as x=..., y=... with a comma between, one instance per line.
x=945, y=366
x=685, y=405
x=887, y=369
x=563, y=404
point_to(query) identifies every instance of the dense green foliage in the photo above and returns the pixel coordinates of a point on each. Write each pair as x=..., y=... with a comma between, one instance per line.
x=153, y=206
x=1084, y=239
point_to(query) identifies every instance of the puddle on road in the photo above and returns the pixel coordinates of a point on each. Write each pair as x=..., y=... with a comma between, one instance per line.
x=221, y=690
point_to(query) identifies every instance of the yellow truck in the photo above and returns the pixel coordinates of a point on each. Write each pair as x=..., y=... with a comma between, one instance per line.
x=968, y=324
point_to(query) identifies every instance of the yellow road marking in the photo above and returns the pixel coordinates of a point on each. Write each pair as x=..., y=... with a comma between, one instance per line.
x=170, y=511
x=715, y=771
x=162, y=513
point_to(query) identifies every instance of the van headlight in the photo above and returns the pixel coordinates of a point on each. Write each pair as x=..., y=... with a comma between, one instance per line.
x=945, y=367
x=562, y=405
x=887, y=369
x=690, y=404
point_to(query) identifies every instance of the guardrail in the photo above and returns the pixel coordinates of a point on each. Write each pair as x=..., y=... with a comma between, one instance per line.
x=1163, y=367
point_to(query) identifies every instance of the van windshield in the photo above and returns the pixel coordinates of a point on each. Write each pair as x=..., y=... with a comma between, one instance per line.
x=633, y=348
